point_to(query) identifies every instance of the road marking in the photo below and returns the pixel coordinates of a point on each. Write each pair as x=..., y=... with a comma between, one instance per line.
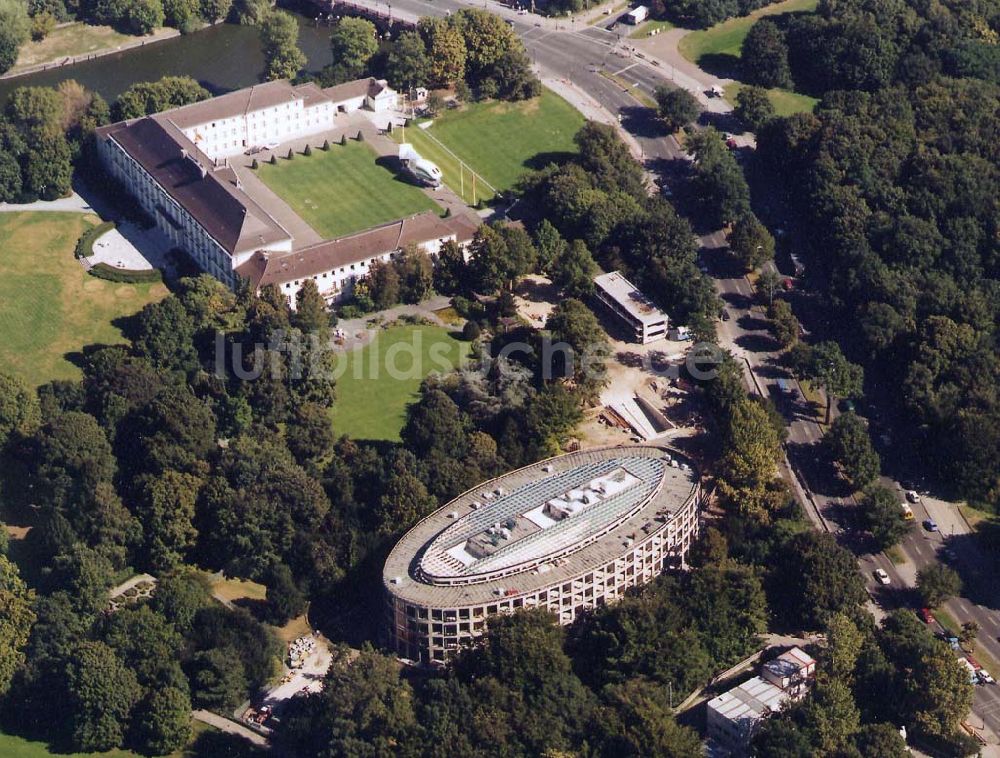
x=621, y=71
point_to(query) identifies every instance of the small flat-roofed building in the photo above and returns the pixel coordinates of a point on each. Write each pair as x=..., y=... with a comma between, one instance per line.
x=566, y=534
x=644, y=320
x=793, y=671
x=733, y=717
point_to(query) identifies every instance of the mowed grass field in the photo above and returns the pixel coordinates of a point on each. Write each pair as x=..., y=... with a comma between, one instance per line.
x=726, y=38
x=18, y=747
x=50, y=306
x=785, y=103
x=499, y=141
x=377, y=382
x=343, y=190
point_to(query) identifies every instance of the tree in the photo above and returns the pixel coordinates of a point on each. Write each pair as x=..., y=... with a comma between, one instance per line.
x=549, y=244
x=748, y=467
x=16, y=618
x=830, y=715
x=218, y=679
x=880, y=741
x=676, y=107
x=71, y=457
x=754, y=107
x=487, y=37
x=574, y=325
x=813, y=579
x=968, y=633
x=20, y=413
x=718, y=180
x=384, y=285
x=416, y=274
x=851, y=447
x=638, y=721
x=279, y=36
x=768, y=283
x=363, y=702
x=166, y=505
x=751, y=242
x=310, y=309
x=285, y=600
x=251, y=12
x=215, y=10
x=353, y=42
x=883, y=517
x=843, y=645
x=764, y=56
x=936, y=583
x=309, y=433
x=100, y=694
x=451, y=274
x=144, y=98
x=783, y=323
x=573, y=270
x=825, y=365
x=162, y=722
x=179, y=596
x=446, y=49
x=181, y=14
x=407, y=64
x=15, y=28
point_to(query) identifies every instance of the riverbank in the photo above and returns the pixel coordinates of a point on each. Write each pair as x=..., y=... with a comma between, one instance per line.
x=77, y=42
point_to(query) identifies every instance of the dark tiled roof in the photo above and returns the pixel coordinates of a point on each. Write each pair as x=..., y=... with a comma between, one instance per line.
x=209, y=194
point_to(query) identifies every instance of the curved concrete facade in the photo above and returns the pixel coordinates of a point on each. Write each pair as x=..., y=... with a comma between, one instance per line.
x=565, y=534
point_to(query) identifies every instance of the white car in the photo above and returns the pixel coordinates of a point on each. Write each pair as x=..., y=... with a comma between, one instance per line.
x=881, y=576
x=912, y=496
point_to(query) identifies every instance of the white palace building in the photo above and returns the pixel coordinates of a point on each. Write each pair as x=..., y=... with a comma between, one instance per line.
x=176, y=165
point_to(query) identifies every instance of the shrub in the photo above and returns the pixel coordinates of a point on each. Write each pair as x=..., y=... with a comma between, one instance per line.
x=471, y=331
x=291, y=154
x=255, y=165
x=125, y=276
x=361, y=136
x=274, y=159
x=343, y=139
x=326, y=144
x=85, y=245
x=308, y=151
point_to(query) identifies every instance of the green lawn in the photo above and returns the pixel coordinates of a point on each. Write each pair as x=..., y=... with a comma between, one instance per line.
x=726, y=38
x=659, y=25
x=785, y=103
x=49, y=306
x=377, y=382
x=18, y=747
x=499, y=141
x=343, y=190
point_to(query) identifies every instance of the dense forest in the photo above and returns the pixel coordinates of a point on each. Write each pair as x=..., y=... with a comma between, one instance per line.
x=893, y=184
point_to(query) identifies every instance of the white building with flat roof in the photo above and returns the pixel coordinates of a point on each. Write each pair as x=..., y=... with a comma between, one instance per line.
x=645, y=321
x=733, y=717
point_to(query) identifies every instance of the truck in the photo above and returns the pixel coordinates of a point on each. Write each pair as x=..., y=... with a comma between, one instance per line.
x=424, y=172
x=637, y=15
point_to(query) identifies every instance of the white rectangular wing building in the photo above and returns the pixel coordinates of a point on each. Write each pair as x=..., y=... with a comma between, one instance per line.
x=645, y=321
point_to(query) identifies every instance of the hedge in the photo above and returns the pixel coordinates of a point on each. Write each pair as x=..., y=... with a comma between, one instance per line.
x=125, y=276
x=85, y=245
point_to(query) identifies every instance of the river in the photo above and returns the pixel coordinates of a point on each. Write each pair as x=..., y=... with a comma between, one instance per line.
x=222, y=57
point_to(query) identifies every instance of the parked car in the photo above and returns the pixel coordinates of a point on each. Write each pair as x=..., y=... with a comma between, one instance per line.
x=881, y=576
x=930, y=525
x=984, y=677
x=926, y=616
x=913, y=496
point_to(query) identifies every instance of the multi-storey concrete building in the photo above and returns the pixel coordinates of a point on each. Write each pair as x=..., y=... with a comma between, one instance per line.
x=566, y=534
x=645, y=322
